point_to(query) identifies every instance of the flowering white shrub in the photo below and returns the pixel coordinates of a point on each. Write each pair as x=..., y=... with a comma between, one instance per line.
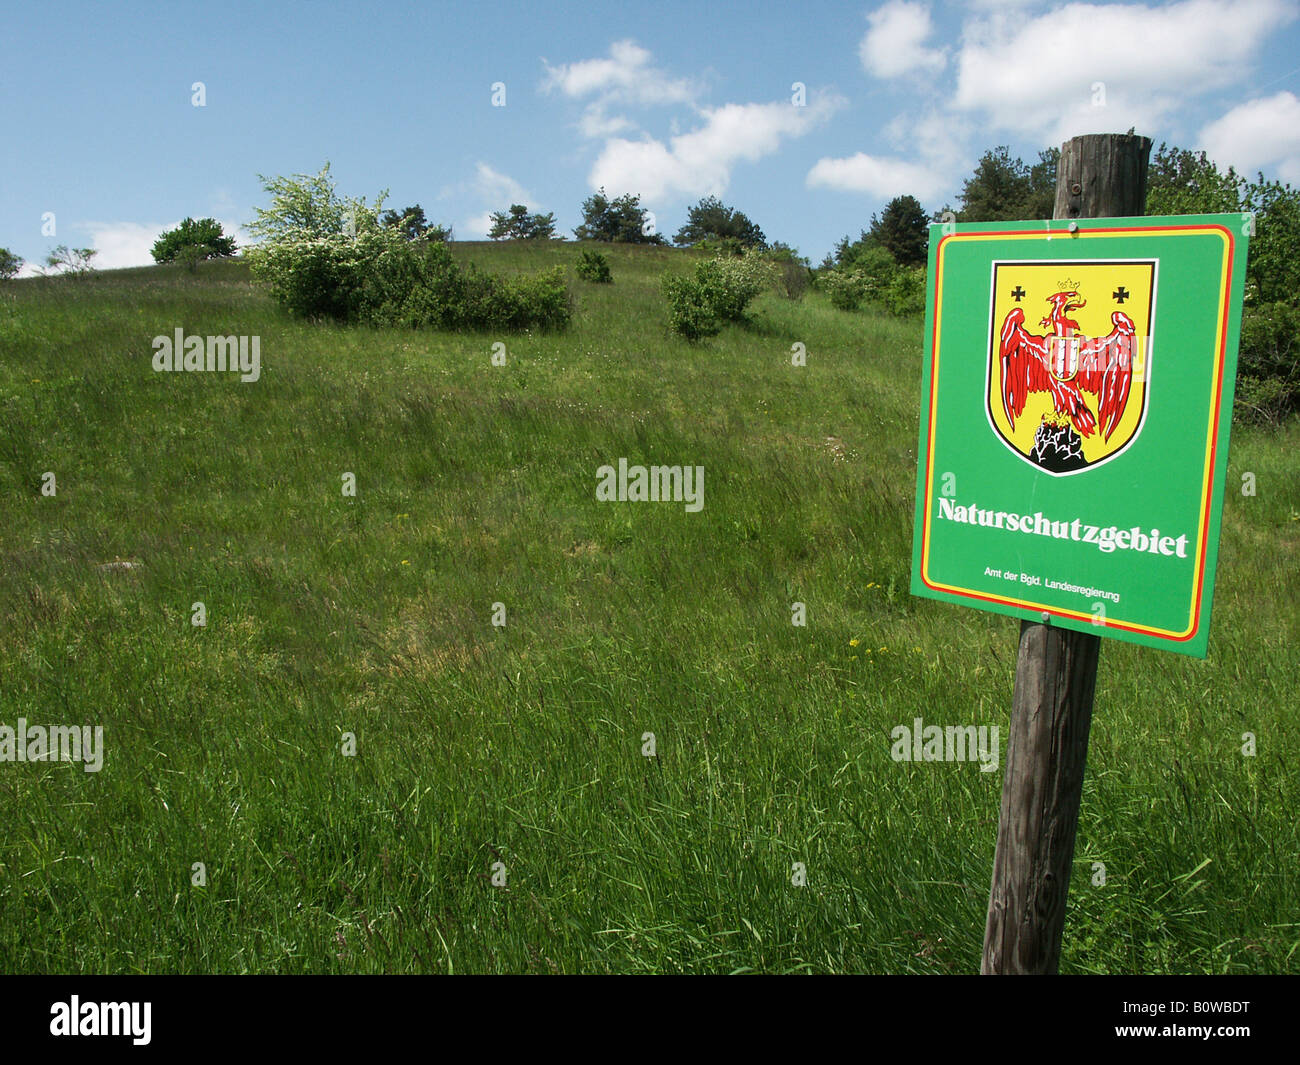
x=322, y=256
x=719, y=291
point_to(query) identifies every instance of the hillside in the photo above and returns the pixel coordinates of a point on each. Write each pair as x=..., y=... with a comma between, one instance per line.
x=522, y=744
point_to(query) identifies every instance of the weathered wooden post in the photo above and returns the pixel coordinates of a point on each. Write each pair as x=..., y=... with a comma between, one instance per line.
x=1099, y=176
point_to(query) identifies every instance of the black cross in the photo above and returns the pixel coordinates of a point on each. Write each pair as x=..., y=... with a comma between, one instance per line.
x=1018, y=293
x=1121, y=294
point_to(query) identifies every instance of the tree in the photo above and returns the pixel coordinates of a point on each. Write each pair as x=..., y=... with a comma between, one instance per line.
x=1184, y=182
x=1003, y=189
x=1268, y=365
x=10, y=264
x=193, y=241
x=1181, y=182
x=621, y=221
x=711, y=219
x=1273, y=266
x=306, y=206
x=518, y=224
x=903, y=230
x=866, y=253
x=414, y=226
x=67, y=260
x=1042, y=184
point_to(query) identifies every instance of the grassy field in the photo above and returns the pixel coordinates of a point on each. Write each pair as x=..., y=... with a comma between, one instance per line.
x=522, y=745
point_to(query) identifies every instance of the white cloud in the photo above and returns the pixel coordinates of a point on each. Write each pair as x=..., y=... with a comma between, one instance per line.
x=627, y=78
x=476, y=227
x=1041, y=74
x=700, y=162
x=1258, y=134
x=1050, y=74
x=1121, y=111
x=930, y=149
x=935, y=137
x=494, y=185
x=878, y=176
x=595, y=123
x=119, y=244
x=895, y=43
x=499, y=191
x=626, y=75
x=123, y=244
x=646, y=167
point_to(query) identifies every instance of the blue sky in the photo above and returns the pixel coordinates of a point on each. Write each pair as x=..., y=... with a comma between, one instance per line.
x=673, y=101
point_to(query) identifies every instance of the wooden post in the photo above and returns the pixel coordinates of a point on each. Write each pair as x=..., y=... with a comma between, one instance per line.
x=1099, y=176
x=1102, y=175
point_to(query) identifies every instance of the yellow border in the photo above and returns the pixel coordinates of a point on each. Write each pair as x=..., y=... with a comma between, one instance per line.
x=1211, y=438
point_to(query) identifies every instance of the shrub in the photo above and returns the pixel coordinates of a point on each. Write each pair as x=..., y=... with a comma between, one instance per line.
x=690, y=312
x=732, y=283
x=538, y=301
x=792, y=273
x=594, y=267
x=307, y=205
x=70, y=262
x=718, y=291
x=847, y=289
x=722, y=247
x=1268, y=363
x=323, y=256
x=328, y=258
x=904, y=294
x=426, y=288
x=874, y=278
x=793, y=279
x=867, y=256
x=328, y=276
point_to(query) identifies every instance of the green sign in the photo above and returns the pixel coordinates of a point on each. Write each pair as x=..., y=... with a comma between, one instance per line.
x=1074, y=428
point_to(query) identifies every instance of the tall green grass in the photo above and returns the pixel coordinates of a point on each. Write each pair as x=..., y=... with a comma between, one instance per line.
x=522, y=745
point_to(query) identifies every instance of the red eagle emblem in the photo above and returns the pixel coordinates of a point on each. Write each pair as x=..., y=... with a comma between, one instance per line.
x=1067, y=364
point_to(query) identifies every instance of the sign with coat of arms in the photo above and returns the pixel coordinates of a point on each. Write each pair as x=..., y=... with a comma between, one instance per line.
x=1068, y=390
x=1074, y=433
